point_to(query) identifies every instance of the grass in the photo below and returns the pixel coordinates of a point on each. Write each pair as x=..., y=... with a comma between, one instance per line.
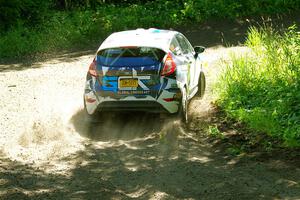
x=261, y=88
x=83, y=26
x=214, y=131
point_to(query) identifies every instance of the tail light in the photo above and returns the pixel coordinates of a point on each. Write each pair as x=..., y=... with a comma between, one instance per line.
x=168, y=99
x=169, y=66
x=90, y=100
x=92, y=68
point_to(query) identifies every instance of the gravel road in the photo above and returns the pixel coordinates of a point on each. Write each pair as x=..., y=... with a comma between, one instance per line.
x=47, y=151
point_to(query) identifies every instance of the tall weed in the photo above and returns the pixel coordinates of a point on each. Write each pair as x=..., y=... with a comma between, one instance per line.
x=262, y=87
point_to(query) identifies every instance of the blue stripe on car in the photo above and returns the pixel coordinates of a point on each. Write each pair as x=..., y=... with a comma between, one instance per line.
x=127, y=61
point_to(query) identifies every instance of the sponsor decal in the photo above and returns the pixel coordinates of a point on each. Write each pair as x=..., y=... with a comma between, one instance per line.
x=131, y=92
x=140, y=78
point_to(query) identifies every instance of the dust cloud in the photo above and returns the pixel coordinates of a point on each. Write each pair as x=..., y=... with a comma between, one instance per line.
x=44, y=120
x=36, y=111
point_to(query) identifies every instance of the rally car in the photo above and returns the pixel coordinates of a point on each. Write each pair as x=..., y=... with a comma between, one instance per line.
x=147, y=70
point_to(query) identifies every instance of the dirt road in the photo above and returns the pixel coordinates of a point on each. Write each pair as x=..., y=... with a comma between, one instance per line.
x=47, y=151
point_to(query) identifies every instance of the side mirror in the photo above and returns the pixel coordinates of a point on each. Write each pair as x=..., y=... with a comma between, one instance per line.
x=198, y=50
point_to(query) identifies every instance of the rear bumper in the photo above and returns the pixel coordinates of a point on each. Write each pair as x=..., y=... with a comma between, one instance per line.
x=96, y=101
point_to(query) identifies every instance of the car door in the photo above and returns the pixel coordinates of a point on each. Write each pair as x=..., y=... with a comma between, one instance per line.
x=181, y=62
x=189, y=59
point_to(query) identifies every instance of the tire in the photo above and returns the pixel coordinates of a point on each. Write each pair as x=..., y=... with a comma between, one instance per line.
x=201, y=85
x=183, y=108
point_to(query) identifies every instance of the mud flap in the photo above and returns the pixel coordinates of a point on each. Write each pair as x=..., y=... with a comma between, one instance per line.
x=201, y=85
x=183, y=108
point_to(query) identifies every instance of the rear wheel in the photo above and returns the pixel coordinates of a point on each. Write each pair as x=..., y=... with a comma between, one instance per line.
x=183, y=108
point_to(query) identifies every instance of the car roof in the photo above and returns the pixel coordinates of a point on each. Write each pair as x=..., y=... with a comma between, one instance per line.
x=155, y=38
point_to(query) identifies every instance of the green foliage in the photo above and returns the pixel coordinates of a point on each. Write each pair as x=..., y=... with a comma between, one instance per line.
x=234, y=151
x=28, y=27
x=64, y=30
x=215, y=132
x=261, y=88
x=203, y=9
x=14, y=13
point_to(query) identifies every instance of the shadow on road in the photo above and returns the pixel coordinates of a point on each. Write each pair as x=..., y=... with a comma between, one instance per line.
x=224, y=32
x=128, y=157
x=39, y=60
x=146, y=166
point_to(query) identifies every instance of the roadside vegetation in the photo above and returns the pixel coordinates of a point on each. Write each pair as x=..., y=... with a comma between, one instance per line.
x=261, y=88
x=29, y=27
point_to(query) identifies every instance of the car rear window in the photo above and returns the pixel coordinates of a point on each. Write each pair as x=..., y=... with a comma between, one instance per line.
x=130, y=56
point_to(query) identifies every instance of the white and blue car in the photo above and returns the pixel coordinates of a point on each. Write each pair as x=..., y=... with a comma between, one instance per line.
x=147, y=70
